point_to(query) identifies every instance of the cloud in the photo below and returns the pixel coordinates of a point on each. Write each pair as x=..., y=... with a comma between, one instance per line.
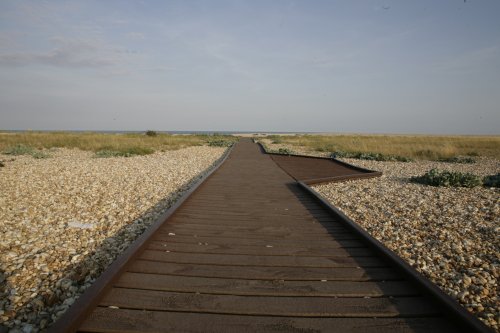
x=67, y=53
x=135, y=35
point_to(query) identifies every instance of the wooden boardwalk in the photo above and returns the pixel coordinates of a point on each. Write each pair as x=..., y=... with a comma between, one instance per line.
x=250, y=251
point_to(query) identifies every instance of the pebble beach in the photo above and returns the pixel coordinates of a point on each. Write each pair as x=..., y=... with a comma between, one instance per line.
x=64, y=219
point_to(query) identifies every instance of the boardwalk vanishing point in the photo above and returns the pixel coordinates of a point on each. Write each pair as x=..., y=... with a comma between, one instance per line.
x=250, y=249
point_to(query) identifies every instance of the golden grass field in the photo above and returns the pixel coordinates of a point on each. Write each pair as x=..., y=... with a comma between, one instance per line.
x=102, y=141
x=413, y=146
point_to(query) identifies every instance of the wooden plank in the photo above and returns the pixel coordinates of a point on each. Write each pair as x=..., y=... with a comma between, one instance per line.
x=270, y=306
x=258, y=242
x=242, y=287
x=270, y=238
x=240, y=212
x=272, y=261
x=313, y=229
x=259, y=250
x=220, y=217
x=290, y=223
x=261, y=235
x=267, y=273
x=112, y=320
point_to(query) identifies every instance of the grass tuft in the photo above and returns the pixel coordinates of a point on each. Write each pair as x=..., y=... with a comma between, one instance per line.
x=458, y=159
x=370, y=156
x=127, y=152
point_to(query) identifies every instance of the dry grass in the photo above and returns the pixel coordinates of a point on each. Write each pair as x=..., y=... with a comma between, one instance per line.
x=99, y=141
x=413, y=146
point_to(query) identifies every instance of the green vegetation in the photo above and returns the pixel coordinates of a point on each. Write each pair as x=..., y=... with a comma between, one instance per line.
x=458, y=159
x=492, y=181
x=405, y=146
x=128, y=152
x=435, y=177
x=21, y=149
x=103, y=144
x=370, y=156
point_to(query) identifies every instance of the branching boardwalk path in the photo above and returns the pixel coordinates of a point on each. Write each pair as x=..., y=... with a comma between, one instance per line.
x=250, y=251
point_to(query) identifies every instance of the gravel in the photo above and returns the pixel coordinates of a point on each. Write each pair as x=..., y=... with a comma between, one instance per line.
x=451, y=235
x=64, y=219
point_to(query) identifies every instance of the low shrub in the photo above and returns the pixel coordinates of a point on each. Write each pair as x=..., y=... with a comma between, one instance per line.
x=127, y=152
x=25, y=150
x=435, y=177
x=220, y=143
x=370, y=156
x=151, y=133
x=458, y=159
x=492, y=181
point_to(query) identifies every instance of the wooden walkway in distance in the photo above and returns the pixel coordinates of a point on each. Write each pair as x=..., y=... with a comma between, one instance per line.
x=250, y=251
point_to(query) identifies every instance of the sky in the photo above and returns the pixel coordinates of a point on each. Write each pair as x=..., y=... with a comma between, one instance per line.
x=372, y=66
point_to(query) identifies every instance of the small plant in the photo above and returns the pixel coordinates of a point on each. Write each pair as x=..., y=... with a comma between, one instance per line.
x=458, y=159
x=370, y=156
x=25, y=150
x=435, y=177
x=2, y=164
x=492, y=181
x=19, y=150
x=128, y=152
x=284, y=151
x=39, y=154
x=151, y=133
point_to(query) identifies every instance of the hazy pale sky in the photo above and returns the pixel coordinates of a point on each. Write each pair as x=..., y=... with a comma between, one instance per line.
x=400, y=66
